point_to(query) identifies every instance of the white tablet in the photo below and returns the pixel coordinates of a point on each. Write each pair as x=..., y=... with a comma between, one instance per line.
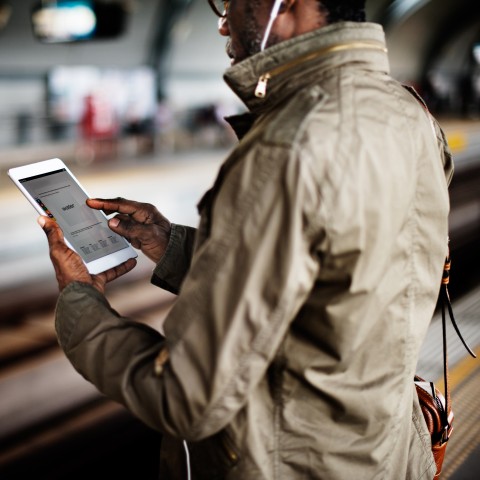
x=54, y=192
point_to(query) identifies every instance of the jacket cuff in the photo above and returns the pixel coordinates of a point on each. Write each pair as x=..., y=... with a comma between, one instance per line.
x=78, y=304
x=175, y=263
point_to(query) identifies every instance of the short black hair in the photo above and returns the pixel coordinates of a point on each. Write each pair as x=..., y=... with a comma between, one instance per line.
x=343, y=10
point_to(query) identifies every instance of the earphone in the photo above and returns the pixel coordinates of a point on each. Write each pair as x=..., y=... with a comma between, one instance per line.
x=273, y=15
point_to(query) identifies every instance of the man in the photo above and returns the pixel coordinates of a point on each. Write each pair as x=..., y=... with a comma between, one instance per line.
x=306, y=291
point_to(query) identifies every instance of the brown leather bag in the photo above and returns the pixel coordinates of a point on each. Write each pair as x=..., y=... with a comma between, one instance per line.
x=439, y=424
x=436, y=408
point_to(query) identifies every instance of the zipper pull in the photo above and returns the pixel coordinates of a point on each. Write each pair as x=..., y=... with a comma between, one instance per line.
x=261, y=89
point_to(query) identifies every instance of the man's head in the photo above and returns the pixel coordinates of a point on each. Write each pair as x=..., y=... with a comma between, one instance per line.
x=244, y=21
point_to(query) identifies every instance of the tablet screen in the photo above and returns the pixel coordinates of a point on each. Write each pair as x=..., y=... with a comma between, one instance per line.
x=60, y=197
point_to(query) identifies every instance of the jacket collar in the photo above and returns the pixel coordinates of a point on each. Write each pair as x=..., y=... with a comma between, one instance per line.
x=290, y=65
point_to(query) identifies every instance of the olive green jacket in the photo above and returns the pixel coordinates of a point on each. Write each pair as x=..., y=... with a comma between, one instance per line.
x=307, y=290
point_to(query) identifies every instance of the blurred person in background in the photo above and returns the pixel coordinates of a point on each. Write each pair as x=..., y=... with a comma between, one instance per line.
x=306, y=291
x=98, y=130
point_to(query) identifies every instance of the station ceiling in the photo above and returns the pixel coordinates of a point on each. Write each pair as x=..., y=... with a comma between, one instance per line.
x=421, y=35
x=428, y=34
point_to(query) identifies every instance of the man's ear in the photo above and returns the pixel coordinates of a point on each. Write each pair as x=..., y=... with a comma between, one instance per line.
x=286, y=5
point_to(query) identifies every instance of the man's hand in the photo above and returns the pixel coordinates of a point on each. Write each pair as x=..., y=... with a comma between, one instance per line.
x=140, y=223
x=69, y=267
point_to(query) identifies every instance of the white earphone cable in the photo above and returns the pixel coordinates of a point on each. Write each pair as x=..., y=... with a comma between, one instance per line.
x=187, y=460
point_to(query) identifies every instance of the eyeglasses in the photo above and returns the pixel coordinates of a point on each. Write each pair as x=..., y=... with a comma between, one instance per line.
x=219, y=7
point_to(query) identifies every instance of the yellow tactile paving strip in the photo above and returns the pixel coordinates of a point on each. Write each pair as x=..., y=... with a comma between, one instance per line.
x=465, y=388
x=461, y=134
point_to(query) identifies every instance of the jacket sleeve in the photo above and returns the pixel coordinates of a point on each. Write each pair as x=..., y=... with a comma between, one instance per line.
x=172, y=268
x=247, y=281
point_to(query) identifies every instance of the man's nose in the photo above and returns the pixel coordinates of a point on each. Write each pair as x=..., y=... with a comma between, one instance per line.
x=223, y=27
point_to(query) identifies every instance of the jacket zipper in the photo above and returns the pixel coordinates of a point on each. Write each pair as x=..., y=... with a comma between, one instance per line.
x=261, y=89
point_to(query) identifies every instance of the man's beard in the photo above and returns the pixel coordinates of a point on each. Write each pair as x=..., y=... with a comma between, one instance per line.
x=253, y=36
x=250, y=41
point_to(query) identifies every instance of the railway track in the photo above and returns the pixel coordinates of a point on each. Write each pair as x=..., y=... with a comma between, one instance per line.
x=47, y=410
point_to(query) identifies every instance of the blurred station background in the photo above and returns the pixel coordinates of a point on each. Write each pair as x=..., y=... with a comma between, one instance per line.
x=135, y=107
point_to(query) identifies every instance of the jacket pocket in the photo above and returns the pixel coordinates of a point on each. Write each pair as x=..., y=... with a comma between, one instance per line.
x=421, y=464
x=214, y=457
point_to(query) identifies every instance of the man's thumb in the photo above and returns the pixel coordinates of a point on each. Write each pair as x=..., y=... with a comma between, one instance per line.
x=49, y=226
